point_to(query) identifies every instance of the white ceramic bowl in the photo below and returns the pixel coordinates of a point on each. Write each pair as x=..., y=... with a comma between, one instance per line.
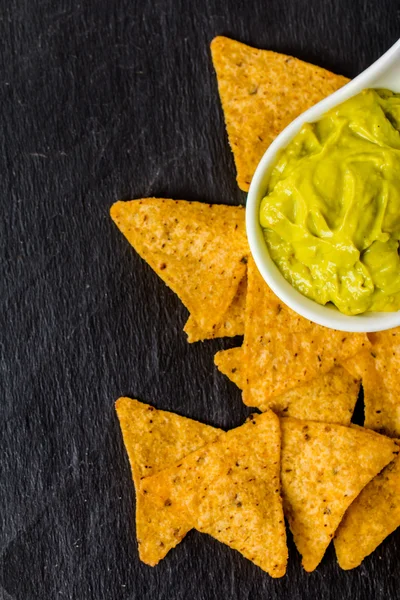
x=384, y=73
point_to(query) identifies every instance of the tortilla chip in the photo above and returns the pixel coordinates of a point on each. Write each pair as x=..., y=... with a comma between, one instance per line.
x=283, y=350
x=355, y=364
x=324, y=468
x=329, y=399
x=231, y=490
x=230, y=363
x=155, y=440
x=198, y=250
x=261, y=93
x=379, y=411
x=373, y=515
x=380, y=373
x=232, y=322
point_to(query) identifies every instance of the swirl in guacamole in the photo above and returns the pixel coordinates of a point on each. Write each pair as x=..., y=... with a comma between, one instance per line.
x=331, y=216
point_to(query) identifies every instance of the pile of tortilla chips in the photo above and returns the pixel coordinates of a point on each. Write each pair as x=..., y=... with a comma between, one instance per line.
x=301, y=458
x=237, y=486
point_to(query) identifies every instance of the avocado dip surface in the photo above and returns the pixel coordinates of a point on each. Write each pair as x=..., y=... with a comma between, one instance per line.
x=331, y=215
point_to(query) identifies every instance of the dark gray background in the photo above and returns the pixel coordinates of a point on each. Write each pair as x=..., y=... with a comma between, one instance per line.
x=103, y=100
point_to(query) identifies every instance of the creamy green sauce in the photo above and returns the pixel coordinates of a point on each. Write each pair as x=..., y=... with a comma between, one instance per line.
x=331, y=216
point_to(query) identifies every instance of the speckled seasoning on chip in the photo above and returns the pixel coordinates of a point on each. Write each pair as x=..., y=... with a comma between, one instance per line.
x=261, y=92
x=232, y=322
x=330, y=398
x=154, y=440
x=230, y=489
x=199, y=250
x=379, y=369
x=373, y=515
x=283, y=350
x=324, y=468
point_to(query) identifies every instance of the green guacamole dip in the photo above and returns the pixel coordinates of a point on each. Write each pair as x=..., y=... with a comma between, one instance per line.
x=331, y=216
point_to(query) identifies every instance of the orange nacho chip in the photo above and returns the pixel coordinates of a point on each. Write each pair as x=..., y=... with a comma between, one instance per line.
x=283, y=350
x=378, y=401
x=230, y=489
x=155, y=440
x=324, y=468
x=379, y=370
x=199, y=250
x=373, y=515
x=261, y=93
x=230, y=363
x=232, y=322
x=330, y=398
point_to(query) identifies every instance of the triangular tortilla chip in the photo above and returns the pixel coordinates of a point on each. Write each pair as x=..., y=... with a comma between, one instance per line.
x=283, y=350
x=232, y=322
x=230, y=363
x=261, y=93
x=379, y=402
x=330, y=398
x=231, y=490
x=379, y=370
x=199, y=250
x=155, y=440
x=373, y=515
x=324, y=468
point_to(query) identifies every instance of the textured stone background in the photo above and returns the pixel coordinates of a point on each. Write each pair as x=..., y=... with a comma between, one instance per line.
x=116, y=99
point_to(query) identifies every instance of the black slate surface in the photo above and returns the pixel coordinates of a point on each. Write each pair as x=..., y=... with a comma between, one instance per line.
x=116, y=99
